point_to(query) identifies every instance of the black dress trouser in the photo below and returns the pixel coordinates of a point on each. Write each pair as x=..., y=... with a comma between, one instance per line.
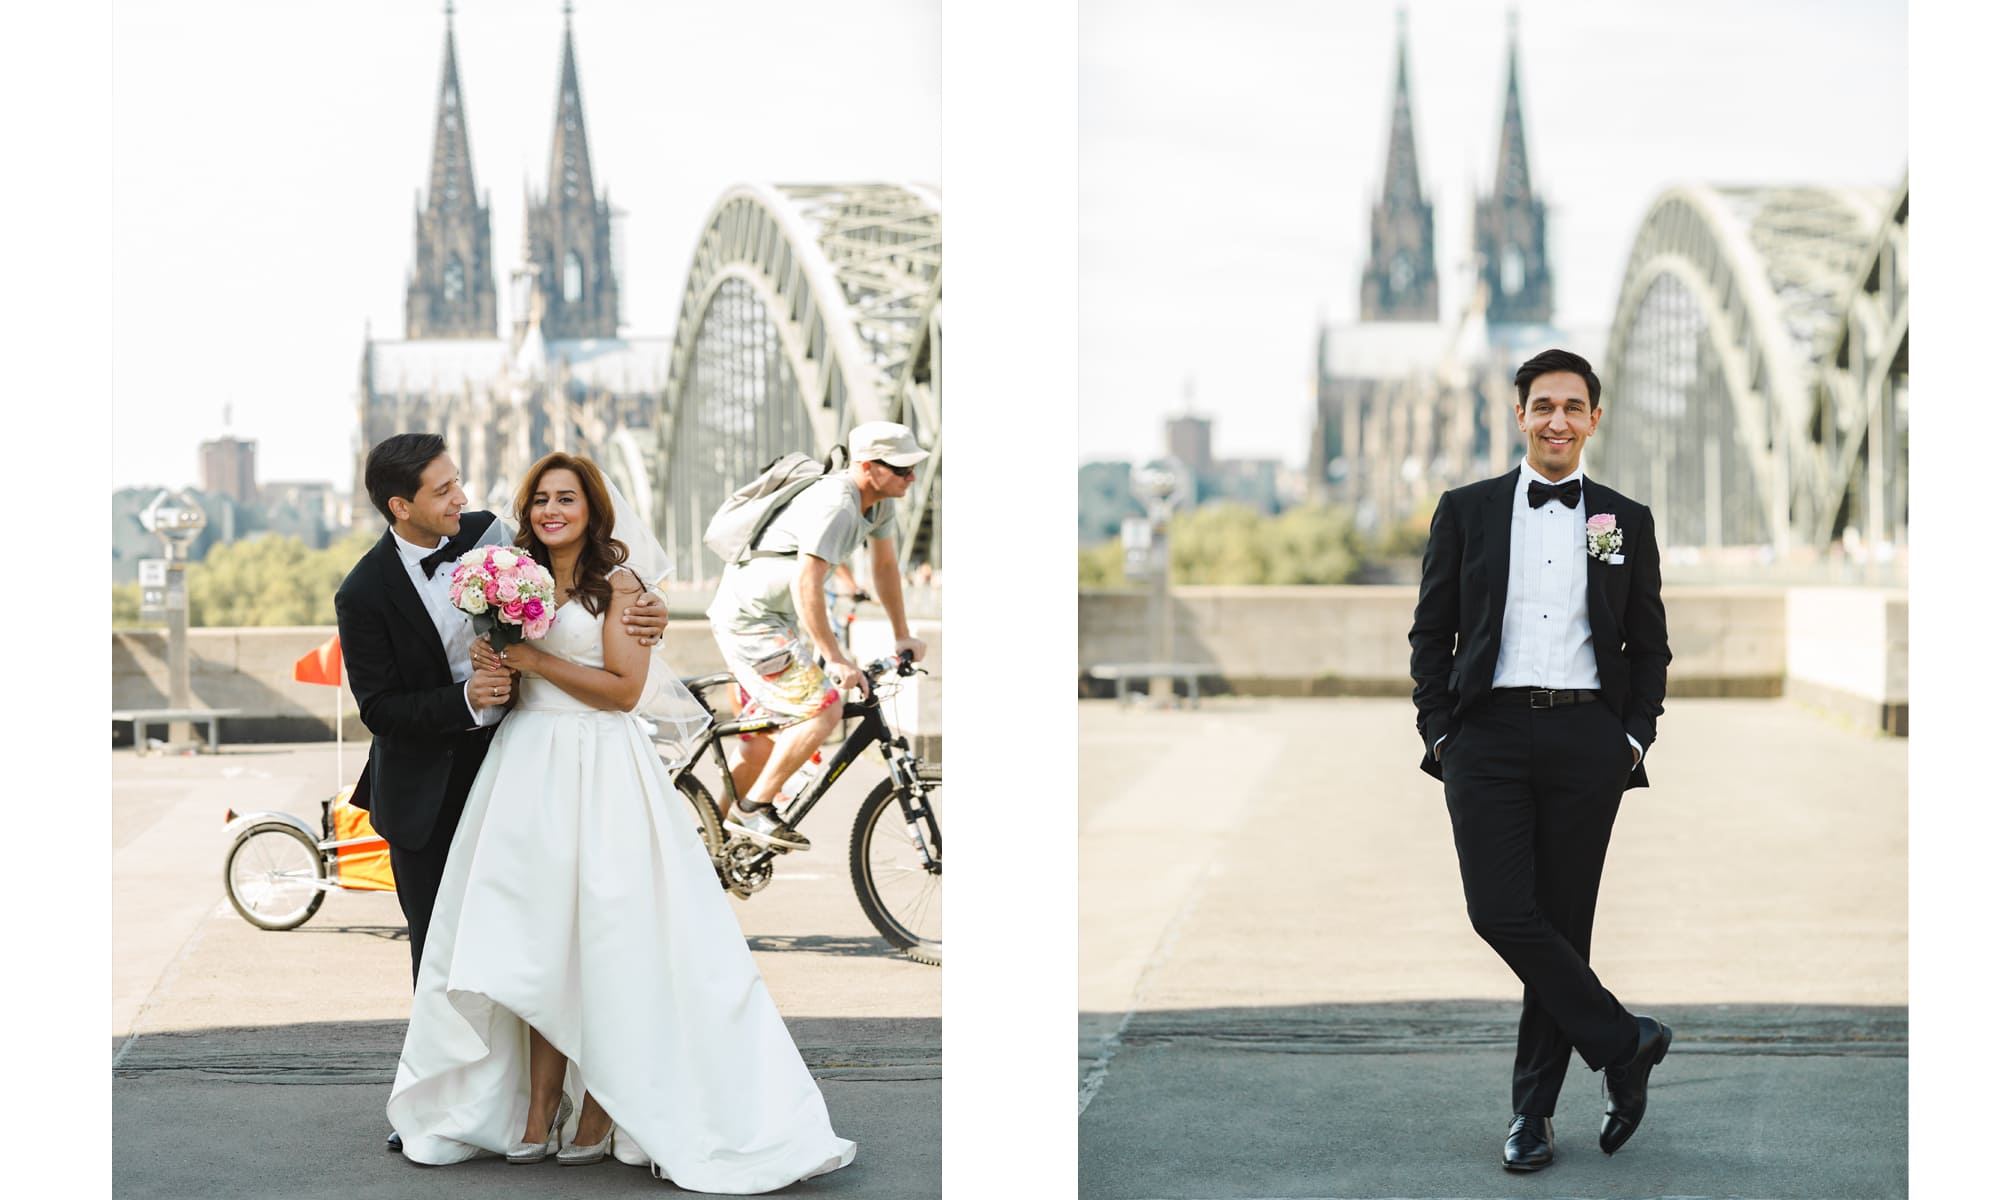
x=1533, y=794
x=419, y=872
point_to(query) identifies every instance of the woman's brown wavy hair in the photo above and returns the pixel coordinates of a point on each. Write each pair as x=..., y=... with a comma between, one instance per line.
x=600, y=551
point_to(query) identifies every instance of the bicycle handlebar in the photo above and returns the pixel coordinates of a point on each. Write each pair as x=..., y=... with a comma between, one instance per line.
x=903, y=664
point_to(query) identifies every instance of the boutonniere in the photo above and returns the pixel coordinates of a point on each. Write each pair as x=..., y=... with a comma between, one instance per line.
x=1603, y=539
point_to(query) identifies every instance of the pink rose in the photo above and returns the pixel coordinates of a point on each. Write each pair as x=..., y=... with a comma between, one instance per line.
x=1601, y=523
x=508, y=591
x=531, y=608
x=511, y=613
x=538, y=627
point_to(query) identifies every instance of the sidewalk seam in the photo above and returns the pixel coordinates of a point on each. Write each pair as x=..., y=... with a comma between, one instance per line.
x=1100, y=1067
x=166, y=975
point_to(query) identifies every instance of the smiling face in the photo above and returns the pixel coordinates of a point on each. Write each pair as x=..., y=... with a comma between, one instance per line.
x=1558, y=418
x=557, y=510
x=432, y=514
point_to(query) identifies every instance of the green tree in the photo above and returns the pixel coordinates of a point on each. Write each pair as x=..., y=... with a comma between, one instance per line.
x=125, y=605
x=1218, y=543
x=270, y=581
x=1311, y=544
x=1407, y=538
x=1102, y=565
x=1234, y=544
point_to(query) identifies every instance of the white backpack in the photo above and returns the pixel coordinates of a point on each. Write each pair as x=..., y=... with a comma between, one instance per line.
x=734, y=529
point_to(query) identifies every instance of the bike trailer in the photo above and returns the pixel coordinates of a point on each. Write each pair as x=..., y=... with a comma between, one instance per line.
x=361, y=857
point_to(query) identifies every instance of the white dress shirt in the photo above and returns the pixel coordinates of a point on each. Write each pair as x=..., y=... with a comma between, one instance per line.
x=1545, y=627
x=1545, y=637
x=454, y=627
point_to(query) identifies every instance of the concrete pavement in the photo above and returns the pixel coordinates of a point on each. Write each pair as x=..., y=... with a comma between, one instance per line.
x=256, y=1064
x=1297, y=1007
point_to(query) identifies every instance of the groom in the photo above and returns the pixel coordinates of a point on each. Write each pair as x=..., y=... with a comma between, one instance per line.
x=407, y=651
x=1539, y=651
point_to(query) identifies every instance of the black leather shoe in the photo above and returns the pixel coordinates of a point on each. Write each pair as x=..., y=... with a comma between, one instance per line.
x=395, y=1145
x=1531, y=1143
x=1625, y=1086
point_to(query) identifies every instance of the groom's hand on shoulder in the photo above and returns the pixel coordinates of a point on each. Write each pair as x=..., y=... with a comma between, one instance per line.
x=646, y=619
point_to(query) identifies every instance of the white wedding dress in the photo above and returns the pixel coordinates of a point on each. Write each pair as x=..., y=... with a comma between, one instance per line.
x=577, y=898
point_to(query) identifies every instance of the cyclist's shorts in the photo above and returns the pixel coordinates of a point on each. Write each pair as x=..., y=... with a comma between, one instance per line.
x=776, y=677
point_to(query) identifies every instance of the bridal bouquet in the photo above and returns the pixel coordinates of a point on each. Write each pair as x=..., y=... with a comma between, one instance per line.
x=509, y=596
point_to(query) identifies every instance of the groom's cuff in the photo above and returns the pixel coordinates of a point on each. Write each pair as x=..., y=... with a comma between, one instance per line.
x=1639, y=748
x=482, y=717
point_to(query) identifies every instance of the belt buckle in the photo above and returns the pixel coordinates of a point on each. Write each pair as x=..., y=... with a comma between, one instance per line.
x=1542, y=698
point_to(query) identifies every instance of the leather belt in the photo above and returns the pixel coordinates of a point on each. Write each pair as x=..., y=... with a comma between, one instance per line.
x=1541, y=697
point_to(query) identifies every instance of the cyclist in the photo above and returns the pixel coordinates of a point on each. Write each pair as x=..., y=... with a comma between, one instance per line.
x=770, y=616
x=753, y=750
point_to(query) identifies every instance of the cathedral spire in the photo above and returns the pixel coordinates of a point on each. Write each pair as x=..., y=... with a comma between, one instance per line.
x=451, y=283
x=1511, y=180
x=1401, y=182
x=1510, y=226
x=1400, y=282
x=569, y=149
x=568, y=235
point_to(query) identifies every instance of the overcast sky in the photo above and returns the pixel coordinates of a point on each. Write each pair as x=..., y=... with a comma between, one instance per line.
x=1229, y=153
x=267, y=158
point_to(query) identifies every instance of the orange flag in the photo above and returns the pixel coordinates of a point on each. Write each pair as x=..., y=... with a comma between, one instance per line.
x=321, y=665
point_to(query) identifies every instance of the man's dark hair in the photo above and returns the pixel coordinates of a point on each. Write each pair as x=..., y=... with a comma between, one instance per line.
x=1548, y=362
x=396, y=468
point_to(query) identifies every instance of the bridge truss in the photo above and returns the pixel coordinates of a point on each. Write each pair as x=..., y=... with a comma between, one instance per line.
x=1752, y=352
x=808, y=309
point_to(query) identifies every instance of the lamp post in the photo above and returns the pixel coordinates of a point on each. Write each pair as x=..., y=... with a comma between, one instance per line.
x=177, y=520
x=1161, y=486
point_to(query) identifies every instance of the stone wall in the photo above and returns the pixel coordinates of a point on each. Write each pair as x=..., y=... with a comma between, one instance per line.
x=1818, y=643
x=1848, y=650
x=251, y=669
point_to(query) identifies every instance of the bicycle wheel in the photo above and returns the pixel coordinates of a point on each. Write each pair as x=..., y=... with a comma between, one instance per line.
x=272, y=874
x=707, y=820
x=902, y=895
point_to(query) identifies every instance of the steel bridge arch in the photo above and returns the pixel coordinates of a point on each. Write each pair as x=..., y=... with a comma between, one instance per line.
x=1861, y=394
x=1729, y=299
x=807, y=310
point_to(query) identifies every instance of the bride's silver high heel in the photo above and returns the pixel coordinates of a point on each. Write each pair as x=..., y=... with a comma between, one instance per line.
x=574, y=1155
x=534, y=1152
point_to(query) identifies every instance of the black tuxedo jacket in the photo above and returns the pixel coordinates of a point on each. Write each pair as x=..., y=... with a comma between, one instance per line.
x=409, y=702
x=1455, y=638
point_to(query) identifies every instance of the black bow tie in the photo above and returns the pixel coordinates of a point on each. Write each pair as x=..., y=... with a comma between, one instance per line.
x=1569, y=493
x=443, y=554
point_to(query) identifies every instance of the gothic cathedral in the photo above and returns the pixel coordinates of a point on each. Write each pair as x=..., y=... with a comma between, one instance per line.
x=562, y=377
x=1410, y=399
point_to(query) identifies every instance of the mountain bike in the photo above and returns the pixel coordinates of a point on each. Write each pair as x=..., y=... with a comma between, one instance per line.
x=896, y=854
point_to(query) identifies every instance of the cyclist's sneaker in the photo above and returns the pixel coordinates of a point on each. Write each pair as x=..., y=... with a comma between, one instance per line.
x=762, y=826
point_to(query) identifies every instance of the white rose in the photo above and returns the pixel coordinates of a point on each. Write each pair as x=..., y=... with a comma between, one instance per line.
x=472, y=600
x=503, y=559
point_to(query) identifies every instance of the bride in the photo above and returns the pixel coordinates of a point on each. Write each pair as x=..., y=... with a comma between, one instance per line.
x=580, y=944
